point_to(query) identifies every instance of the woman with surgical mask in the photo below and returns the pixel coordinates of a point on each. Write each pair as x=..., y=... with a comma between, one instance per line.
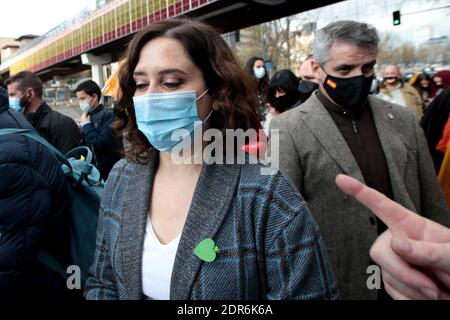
x=256, y=69
x=186, y=230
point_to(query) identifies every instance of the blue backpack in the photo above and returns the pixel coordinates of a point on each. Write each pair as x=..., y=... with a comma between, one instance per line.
x=84, y=192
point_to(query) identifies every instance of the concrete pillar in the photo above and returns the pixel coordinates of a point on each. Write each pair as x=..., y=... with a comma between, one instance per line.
x=96, y=63
x=97, y=74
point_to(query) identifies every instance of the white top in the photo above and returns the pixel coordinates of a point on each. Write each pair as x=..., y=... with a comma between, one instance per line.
x=398, y=97
x=157, y=264
x=266, y=125
x=395, y=97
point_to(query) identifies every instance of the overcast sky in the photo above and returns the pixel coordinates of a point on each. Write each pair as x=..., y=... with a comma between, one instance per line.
x=421, y=19
x=19, y=17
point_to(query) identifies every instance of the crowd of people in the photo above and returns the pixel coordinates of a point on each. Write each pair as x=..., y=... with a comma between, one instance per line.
x=356, y=183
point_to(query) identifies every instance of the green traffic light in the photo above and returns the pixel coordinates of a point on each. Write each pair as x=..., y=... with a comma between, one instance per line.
x=396, y=18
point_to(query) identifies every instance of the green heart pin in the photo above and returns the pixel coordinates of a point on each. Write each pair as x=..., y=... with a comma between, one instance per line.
x=207, y=250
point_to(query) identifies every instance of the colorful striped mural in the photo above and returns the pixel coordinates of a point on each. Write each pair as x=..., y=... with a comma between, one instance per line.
x=115, y=20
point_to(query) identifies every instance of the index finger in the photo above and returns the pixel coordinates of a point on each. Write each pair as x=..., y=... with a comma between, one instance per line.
x=384, y=208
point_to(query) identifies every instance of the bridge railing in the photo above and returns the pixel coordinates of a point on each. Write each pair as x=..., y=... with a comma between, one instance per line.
x=92, y=28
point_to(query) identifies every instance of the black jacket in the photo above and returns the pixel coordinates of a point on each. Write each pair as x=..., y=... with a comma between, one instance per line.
x=61, y=131
x=99, y=137
x=433, y=123
x=32, y=212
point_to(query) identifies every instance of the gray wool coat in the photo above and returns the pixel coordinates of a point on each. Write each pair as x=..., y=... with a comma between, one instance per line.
x=269, y=244
x=312, y=152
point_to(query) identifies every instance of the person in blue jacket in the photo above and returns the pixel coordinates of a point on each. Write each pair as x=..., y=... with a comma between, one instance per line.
x=95, y=125
x=32, y=213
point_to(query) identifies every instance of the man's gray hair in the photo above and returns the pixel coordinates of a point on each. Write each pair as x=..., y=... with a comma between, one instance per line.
x=346, y=32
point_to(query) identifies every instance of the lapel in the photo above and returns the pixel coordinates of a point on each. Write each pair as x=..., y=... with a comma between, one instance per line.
x=393, y=145
x=212, y=198
x=135, y=211
x=318, y=120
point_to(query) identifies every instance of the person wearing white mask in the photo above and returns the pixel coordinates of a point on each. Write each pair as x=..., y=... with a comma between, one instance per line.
x=94, y=124
x=256, y=69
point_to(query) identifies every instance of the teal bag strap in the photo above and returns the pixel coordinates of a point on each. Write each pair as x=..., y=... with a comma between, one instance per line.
x=86, y=167
x=33, y=135
x=77, y=150
x=50, y=262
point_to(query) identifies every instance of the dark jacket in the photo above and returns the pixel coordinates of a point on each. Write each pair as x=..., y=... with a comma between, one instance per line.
x=99, y=137
x=360, y=133
x=61, y=131
x=433, y=123
x=32, y=215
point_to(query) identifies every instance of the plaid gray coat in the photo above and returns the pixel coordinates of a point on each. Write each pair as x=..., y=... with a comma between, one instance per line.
x=269, y=243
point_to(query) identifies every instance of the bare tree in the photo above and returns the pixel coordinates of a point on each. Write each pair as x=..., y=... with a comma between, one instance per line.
x=386, y=49
x=434, y=52
x=405, y=53
x=279, y=40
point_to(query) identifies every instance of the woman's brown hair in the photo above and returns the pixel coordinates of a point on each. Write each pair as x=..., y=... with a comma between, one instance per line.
x=232, y=94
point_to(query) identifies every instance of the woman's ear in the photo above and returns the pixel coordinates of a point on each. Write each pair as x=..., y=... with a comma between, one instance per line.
x=215, y=107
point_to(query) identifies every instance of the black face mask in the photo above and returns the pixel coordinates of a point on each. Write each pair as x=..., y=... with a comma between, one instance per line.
x=348, y=92
x=391, y=80
x=281, y=103
x=306, y=88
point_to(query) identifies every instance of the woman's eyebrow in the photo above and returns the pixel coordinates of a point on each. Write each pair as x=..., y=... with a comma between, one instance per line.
x=138, y=73
x=162, y=72
x=172, y=70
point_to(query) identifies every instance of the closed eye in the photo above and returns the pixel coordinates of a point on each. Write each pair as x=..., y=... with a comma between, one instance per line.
x=141, y=86
x=171, y=85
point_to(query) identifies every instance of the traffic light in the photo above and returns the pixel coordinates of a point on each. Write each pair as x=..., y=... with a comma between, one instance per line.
x=396, y=18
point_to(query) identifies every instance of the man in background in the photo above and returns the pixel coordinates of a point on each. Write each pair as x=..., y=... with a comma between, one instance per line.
x=95, y=125
x=25, y=92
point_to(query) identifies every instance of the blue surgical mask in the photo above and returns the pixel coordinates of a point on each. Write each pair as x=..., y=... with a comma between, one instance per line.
x=259, y=72
x=85, y=106
x=14, y=103
x=158, y=115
